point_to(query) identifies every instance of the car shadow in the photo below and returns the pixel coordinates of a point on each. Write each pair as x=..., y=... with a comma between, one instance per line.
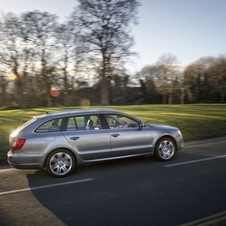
x=41, y=177
x=99, y=194
x=76, y=199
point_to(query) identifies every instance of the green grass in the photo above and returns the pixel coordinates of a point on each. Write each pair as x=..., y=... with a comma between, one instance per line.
x=195, y=121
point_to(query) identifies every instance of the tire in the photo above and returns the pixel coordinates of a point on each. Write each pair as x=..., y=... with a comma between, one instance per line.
x=60, y=163
x=165, y=149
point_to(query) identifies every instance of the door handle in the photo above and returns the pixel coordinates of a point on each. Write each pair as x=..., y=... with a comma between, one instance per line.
x=115, y=135
x=74, y=138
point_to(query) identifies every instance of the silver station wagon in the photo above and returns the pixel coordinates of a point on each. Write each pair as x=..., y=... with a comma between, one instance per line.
x=60, y=141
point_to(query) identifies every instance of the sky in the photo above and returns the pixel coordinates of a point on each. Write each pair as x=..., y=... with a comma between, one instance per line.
x=188, y=29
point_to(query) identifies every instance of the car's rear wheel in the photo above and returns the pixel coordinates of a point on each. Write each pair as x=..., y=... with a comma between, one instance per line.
x=60, y=163
x=165, y=149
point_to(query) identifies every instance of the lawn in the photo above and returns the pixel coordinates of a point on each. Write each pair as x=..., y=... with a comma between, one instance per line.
x=195, y=121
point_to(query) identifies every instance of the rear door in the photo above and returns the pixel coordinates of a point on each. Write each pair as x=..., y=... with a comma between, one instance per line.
x=87, y=137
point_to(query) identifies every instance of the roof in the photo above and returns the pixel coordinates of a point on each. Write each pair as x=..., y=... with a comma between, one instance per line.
x=81, y=111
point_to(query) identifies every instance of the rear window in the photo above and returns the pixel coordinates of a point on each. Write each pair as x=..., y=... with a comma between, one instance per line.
x=50, y=126
x=23, y=125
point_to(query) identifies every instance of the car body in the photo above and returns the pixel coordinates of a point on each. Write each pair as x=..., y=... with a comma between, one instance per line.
x=60, y=141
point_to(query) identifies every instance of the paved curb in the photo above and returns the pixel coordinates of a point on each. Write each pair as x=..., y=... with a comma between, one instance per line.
x=212, y=140
x=5, y=165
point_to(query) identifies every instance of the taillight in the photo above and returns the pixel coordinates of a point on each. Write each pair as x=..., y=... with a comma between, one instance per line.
x=17, y=143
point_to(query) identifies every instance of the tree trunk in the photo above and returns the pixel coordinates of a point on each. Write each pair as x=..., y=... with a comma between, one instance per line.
x=48, y=97
x=104, y=89
x=19, y=92
x=163, y=99
x=104, y=93
x=182, y=96
x=170, y=98
x=222, y=98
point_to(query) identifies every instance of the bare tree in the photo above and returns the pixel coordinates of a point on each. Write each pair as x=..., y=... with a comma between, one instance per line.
x=16, y=52
x=190, y=80
x=197, y=80
x=4, y=82
x=70, y=58
x=168, y=76
x=105, y=26
x=147, y=78
x=218, y=76
x=42, y=26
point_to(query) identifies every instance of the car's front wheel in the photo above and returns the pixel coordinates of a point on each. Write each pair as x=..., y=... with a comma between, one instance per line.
x=60, y=163
x=165, y=149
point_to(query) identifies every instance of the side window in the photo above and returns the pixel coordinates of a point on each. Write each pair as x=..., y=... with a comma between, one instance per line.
x=71, y=125
x=92, y=122
x=50, y=126
x=80, y=122
x=85, y=122
x=120, y=121
x=76, y=123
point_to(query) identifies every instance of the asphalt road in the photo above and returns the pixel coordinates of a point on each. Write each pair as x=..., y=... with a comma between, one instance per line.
x=188, y=190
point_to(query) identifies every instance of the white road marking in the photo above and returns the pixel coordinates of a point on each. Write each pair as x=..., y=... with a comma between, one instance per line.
x=194, y=161
x=45, y=186
x=5, y=170
x=210, y=220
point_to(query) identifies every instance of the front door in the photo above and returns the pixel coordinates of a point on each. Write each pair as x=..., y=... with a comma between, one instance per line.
x=126, y=136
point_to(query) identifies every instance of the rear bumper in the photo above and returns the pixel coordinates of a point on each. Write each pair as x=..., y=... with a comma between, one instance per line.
x=22, y=162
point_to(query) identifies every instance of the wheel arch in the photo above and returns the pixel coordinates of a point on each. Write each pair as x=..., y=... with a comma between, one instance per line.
x=60, y=148
x=165, y=136
x=165, y=148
